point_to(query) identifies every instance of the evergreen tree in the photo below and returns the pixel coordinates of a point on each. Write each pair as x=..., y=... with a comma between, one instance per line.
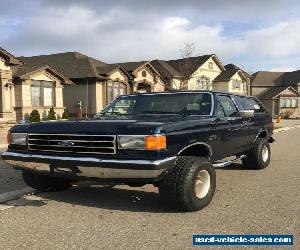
x=35, y=116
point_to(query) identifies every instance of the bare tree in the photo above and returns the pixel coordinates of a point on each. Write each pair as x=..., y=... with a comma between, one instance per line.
x=183, y=67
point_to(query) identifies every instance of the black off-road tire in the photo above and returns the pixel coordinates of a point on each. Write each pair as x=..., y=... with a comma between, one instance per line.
x=45, y=183
x=177, y=189
x=256, y=158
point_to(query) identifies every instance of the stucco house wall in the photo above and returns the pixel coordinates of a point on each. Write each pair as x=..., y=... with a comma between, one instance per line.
x=6, y=91
x=91, y=92
x=23, y=103
x=147, y=75
x=243, y=85
x=205, y=70
x=222, y=86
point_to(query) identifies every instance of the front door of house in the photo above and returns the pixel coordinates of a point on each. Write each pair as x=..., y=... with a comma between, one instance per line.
x=276, y=107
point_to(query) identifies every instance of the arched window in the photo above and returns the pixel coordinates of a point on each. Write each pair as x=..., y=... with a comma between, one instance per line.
x=114, y=89
x=144, y=73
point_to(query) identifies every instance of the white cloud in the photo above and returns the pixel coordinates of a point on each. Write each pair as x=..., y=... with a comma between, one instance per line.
x=276, y=41
x=175, y=23
x=283, y=69
x=118, y=34
x=84, y=30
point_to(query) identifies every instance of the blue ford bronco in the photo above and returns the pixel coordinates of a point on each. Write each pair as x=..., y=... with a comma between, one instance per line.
x=173, y=140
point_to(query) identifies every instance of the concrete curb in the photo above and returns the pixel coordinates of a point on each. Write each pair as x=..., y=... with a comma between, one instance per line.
x=13, y=195
x=279, y=130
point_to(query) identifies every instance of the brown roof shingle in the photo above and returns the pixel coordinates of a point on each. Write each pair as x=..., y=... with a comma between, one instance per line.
x=23, y=72
x=164, y=69
x=230, y=71
x=189, y=65
x=267, y=79
x=129, y=66
x=12, y=60
x=273, y=92
x=72, y=64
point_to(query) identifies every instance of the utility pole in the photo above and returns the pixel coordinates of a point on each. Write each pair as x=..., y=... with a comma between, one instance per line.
x=87, y=98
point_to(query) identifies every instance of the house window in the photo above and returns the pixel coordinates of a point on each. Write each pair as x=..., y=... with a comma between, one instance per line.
x=115, y=89
x=236, y=84
x=289, y=103
x=210, y=65
x=42, y=93
x=202, y=83
x=144, y=73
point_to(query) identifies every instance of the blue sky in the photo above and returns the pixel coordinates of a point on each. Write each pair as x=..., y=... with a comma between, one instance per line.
x=257, y=35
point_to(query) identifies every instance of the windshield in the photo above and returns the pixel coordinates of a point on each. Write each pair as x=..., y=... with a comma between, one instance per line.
x=161, y=104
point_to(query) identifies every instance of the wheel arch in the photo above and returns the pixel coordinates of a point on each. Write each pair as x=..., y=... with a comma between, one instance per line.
x=263, y=133
x=199, y=149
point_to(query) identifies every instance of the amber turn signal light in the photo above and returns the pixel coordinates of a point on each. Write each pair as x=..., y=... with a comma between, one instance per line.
x=155, y=142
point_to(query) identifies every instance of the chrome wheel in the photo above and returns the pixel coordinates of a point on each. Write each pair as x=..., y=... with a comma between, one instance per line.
x=265, y=153
x=202, y=184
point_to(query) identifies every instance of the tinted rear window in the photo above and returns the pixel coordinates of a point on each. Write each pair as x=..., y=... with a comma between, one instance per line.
x=249, y=103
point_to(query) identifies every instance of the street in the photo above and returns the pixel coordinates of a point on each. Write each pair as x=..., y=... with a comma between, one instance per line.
x=96, y=217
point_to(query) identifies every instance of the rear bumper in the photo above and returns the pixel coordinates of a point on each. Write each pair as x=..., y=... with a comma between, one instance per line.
x=88, y=167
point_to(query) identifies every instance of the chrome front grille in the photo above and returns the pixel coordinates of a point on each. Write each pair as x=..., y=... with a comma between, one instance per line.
x=76, y=143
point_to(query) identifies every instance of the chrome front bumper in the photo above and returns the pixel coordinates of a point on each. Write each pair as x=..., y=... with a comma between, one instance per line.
x=88, y=167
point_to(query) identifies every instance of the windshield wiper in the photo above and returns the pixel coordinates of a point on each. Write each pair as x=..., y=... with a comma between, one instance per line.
x=153, y=112
x=115, y=113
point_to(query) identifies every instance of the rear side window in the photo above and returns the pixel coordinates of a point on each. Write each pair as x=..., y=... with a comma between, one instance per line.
x=227, y=106
x=249, y=103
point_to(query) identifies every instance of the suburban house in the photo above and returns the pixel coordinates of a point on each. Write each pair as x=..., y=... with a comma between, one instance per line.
x=145, y=78
x=98, y=83
x=24, y=88
x=38, y=88
x=233, y=80
x=7, y=61
x=279, y=91
x=87, y=85
x=203, y=73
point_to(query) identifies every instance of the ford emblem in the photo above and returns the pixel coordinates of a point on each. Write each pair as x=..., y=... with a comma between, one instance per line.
x=66, y=143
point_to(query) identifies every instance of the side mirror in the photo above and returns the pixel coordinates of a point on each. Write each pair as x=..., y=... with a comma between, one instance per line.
x=246, y=113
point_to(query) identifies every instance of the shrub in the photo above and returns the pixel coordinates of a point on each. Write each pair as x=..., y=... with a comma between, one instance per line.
x=51, y=114
x=65, y=114
x=287, y=113
x=34, y=116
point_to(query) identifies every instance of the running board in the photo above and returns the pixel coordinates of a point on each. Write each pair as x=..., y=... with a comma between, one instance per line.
x=226, y=163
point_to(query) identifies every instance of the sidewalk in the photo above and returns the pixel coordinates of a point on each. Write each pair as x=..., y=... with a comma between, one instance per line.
x=286, y=123
x=10, y=179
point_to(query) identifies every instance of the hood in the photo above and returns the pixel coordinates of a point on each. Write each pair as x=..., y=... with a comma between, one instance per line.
x=105, y=125
x=109, y=125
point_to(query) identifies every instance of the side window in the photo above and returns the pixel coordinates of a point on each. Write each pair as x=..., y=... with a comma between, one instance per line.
x=228, y=106
x=249, y=103
x=220, y=112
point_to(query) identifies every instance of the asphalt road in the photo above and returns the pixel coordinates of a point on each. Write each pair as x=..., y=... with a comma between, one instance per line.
x=246, y=202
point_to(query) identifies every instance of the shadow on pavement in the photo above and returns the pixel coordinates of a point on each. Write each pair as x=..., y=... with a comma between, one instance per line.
x=121, y=198
x=233, y=166
x=116, y=198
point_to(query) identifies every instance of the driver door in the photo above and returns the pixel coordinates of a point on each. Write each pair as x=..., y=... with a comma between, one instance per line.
x=230, y=127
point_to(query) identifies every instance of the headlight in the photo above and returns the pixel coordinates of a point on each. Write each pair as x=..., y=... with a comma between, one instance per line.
x=148, y=142
x=17, y=138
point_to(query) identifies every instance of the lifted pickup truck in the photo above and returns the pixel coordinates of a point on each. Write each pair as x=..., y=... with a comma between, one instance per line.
x=173, y=140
